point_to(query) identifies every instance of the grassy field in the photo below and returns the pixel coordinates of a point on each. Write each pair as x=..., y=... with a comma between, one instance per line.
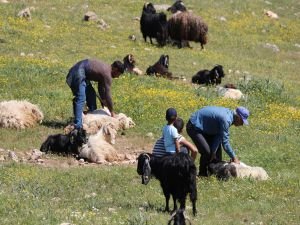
x=35, y=57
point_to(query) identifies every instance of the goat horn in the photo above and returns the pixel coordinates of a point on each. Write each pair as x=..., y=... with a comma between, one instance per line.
x=145, y=154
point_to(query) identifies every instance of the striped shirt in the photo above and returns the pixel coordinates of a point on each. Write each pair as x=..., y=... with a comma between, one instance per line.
x=159, y=147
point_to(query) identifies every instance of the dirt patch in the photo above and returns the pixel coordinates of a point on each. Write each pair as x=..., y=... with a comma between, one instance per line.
x=130, y=147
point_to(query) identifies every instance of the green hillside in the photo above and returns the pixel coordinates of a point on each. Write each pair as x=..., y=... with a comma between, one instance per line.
x=36, y=54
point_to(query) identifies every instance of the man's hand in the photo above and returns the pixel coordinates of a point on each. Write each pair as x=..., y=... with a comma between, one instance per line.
x=112, y=114
x=235, y=160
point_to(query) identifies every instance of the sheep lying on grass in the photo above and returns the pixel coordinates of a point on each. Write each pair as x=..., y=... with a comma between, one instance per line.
x=19, y=114
x=224, y=171
x=93, y=121
x=99, y=148
x=230, y=93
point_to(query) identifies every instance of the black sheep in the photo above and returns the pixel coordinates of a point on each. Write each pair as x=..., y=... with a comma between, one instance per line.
x=154, y=25
x=207, y=77
x=160, y=67
x=177, y=176
x=65, y=144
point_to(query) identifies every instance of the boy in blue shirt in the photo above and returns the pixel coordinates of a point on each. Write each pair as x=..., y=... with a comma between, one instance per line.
x=170, y=133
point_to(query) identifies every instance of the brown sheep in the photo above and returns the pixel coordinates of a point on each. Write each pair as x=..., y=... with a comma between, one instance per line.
x=187, y=27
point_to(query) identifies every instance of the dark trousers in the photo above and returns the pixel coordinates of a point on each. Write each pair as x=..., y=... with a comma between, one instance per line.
x=202, y=142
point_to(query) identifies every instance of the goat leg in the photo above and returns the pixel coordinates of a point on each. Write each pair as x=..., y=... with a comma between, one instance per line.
x=174, y=202
x=167, y=196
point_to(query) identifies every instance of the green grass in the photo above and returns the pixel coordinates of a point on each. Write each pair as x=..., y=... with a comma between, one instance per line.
x=56, y=38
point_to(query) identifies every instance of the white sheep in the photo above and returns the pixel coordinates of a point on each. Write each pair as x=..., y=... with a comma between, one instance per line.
x=245, y=171
x=230, y=93
x=19, y=114
x=224, y=170
x=98, y=150
x=93, y=121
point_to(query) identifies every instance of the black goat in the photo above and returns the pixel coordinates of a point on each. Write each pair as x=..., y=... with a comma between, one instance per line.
x=154, y=25
x=160, y=67
x=177, y=6
x=207, y=77
x=179, y=218
x=65, y=144
x=222, y=170
x=176, y=173
x=129, y=65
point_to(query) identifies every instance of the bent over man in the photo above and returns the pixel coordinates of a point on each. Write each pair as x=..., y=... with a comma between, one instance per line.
x=209, y=129
x=79, y=78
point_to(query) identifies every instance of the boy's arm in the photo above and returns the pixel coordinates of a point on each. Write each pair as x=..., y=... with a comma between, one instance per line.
x=189, y=145
x=177, y=146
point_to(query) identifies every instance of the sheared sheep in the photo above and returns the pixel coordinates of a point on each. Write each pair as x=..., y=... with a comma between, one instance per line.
x=154, y=25
x=129, y=65
x=65, y=144
x=187, y=27
x=93, y=121
x=224, y=171
x=176, y=173
x=207, y=77
x=19, y=114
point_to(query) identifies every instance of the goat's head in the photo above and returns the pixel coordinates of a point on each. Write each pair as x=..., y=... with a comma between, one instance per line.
x=164, y=60
x=143, y=167
x=78, y=137
x=179, y=218
x=218, y=71
x=129, y=60
x=222, y=170
x=177, y=6
x=149, y=8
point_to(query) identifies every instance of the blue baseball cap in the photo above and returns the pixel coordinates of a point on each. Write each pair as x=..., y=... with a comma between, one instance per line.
x=243, y=113
x=171, y=114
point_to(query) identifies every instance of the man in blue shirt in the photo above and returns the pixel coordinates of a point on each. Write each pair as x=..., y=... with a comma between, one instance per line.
x=209, y=129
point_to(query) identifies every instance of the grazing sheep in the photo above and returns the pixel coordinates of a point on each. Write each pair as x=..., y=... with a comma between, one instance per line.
x=224, y=171
x=19, y=114
x=179, y=218
x=154, y=25
x=176, y=173
x=160, y=67
x=98, y=150
x=178, y=6
x=65, y=144
x=230, y=93
x=207, y=77
x=129, y=65
x=187, y=27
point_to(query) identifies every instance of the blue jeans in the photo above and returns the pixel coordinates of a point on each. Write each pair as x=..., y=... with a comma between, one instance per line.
x=82, y=90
